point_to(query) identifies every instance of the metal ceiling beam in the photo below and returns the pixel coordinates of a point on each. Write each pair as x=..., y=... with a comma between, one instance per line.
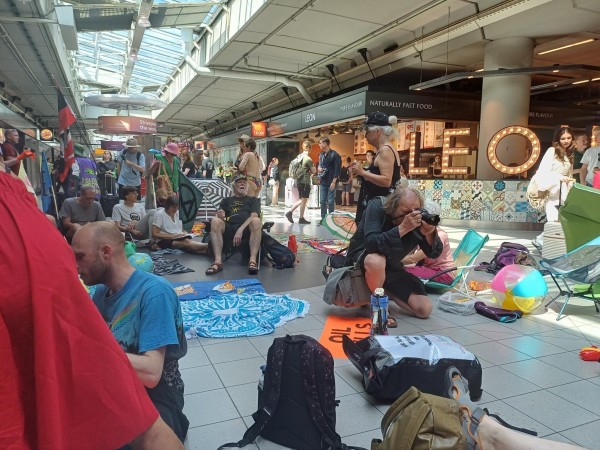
x=136, y=42
x=500, y=73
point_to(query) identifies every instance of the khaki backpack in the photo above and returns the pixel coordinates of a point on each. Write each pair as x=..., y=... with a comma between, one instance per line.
x=418, y=421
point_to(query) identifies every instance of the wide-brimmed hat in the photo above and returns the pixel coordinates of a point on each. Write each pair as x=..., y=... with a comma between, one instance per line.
x=172, y=147
x=239, y=176
x=243, y=137
x=377, y=118
x=131, y=142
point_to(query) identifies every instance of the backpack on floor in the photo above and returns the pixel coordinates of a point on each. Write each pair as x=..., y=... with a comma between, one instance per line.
x=276, y=253
x=506, y=255
x=296, y=405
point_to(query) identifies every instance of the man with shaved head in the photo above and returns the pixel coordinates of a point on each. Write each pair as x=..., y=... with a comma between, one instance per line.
x=143, y=313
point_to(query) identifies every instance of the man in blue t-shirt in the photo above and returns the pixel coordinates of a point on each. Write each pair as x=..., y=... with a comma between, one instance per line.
x=132, y=164
x=142, y=312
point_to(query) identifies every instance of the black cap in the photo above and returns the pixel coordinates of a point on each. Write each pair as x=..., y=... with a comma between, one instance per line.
x=377, y=118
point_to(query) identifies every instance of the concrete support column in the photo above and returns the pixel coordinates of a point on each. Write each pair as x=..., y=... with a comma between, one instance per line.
x=504, y=102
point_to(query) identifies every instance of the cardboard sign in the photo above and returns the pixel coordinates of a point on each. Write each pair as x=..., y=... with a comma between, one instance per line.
x=356, y=328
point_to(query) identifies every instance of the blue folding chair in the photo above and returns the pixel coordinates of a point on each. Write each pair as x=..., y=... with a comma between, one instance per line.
x=582, y=266
x=464, y=256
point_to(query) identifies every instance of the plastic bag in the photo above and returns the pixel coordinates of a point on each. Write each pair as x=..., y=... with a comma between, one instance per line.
x=457, y=303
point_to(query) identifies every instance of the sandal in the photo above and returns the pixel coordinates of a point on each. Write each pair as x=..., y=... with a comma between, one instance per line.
x=214, y=268
x=252, y=268
x=392, y=323
x=457, y=388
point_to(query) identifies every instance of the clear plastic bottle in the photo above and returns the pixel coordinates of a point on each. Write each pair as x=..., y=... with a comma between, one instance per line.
x=379, y=312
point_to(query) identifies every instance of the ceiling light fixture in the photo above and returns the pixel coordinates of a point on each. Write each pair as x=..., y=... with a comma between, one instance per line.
x=363, y=53
x=144, y=22
x=586, y=41
x=580, y=82
x=330, y=67
x=306, y=136
x=318, y=135
x=255, y=108
x=287, y=93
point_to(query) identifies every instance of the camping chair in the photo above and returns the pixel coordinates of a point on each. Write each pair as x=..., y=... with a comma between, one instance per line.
x=464, y=255
x=581, y=265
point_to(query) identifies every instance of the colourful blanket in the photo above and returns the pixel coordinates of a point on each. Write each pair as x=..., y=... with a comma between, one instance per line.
x=329, y=246
x=236, y=308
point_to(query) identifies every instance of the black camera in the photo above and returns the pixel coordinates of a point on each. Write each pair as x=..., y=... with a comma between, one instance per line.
x=431, y=219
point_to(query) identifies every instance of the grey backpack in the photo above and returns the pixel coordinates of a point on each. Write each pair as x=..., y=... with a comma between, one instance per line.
x=347, y=287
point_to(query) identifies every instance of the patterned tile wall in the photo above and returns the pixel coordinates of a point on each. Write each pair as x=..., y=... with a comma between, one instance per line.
x=489, y=201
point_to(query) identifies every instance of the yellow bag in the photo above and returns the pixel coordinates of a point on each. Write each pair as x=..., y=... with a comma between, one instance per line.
x=419, y=421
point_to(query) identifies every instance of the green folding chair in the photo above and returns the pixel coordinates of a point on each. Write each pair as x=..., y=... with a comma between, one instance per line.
x=464, y=256
x=580, y=216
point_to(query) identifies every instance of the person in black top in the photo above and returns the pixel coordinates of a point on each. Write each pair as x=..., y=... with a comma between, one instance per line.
x=207, y=166
x=379, y=178
x=389, y=230
x=188, y=167
x=238, y=218
x=106, y=174
x=328, y=172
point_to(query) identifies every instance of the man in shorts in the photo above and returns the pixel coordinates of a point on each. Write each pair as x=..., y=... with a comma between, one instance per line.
x=303, y=183
x=237, y=219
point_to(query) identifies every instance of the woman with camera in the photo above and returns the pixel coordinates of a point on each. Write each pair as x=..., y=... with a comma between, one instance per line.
x=419, y=264
x=389, y=230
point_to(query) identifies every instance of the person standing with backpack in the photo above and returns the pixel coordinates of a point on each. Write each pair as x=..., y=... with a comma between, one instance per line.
x=328, y=172
x=346, y=180
x=301, y=169
x=208, y=166
x=131, y=164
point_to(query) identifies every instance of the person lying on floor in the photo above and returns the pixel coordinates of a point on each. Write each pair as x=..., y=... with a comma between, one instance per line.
x=131, y=217
x=389, y=229
x=237, y=219
x=167, y=229
x=483, y=432
x=425, y=267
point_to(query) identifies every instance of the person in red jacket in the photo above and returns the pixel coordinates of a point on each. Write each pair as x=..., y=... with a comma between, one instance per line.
x=66, y=383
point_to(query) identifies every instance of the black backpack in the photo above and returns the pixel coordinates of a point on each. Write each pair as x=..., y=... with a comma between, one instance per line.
x=296, y=405
x=344, y=174
x=276, y=253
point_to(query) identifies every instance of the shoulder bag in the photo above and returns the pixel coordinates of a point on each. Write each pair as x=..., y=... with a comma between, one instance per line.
x=164, y=188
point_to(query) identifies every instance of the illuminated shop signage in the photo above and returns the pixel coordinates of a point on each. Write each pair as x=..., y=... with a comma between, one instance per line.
x=450, y=150
x=258, y=129
x=413, y=155
x=514, y=129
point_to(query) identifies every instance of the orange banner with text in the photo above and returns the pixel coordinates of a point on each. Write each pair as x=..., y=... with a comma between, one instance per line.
x=356, y=328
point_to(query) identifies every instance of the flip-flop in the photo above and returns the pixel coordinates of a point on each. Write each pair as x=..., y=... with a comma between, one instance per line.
x=392, y=323
x=214, y=268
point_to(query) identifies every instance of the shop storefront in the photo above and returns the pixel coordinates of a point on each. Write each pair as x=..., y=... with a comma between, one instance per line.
x=438, y=140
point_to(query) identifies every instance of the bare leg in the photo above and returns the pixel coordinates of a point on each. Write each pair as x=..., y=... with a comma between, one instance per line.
x=217, y=228
x=303, y=202
x=494, y=436
x=255, y=235
x=374, y=270
x=191, y=246
x=252, y=189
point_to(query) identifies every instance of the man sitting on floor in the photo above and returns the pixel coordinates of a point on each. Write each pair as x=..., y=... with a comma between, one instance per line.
x=143, y=313
x=76, y=212
x=131, y=217
x=238, y=218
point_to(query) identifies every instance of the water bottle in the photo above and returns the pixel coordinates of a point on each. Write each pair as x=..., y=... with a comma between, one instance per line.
x=292, y=244
x=379, y=313
x=375, y=314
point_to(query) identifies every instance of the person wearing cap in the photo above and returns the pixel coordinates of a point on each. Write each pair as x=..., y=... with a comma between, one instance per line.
x=328, y=171
x=166, y=164
x=131, y=164
x=242, y=141
x=380, y=178
x=237, y=219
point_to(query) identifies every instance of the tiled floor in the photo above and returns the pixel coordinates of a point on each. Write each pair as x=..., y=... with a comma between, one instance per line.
x=532, y=374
